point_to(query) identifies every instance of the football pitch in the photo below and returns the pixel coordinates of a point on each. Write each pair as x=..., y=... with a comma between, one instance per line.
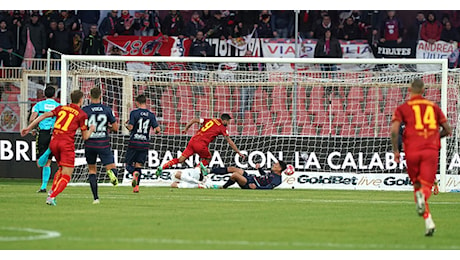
x=232, y=219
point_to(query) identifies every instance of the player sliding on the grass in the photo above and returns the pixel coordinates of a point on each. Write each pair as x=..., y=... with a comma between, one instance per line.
x=188, y=178
x=266, y=180
x=198, y=144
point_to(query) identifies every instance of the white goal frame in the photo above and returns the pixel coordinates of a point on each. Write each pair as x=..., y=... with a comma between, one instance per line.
x=442, y=62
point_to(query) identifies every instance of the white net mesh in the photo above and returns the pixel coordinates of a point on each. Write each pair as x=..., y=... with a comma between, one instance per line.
x=339, y=120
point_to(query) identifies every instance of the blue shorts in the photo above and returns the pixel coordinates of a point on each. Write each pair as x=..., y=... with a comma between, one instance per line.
x=249, y=178
x=105, y=154
x=136, y=156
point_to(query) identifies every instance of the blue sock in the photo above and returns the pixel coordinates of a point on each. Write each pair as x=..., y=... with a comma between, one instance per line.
x=219, y=170
x=129, y=168
x=93, y=184
x=115, y=172
x=46, y=172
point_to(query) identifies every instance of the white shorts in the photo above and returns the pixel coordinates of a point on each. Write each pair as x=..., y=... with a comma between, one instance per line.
x=193, y=173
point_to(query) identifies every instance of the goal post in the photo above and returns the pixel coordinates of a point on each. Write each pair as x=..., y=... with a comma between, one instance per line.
x=338, y=118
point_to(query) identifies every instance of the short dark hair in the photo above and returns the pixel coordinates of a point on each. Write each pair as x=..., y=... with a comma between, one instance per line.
x=225, y=117
x=141, y=99
x=418, y=86
x=50, y=91
x=76, y=96
x=95, y=92
x=283, y=165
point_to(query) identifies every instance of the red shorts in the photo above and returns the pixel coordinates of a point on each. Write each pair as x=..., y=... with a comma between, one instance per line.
x=64, y=153
x=200, y=148
x=422, y=165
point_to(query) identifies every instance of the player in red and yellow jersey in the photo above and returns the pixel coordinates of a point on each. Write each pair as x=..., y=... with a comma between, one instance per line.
x=198, y=144
x=421, y=139
x=69, y=119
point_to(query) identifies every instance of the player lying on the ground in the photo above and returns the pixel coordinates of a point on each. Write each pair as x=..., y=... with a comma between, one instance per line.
x=188, y=178
x=266, y=180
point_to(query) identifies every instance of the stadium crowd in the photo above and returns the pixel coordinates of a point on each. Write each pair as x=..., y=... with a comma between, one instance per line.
x=83, y=31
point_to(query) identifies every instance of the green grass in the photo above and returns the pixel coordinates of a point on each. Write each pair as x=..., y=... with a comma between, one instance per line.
x=162, y=218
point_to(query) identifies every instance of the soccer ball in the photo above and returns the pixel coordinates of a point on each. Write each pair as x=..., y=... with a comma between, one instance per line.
x=289, y=170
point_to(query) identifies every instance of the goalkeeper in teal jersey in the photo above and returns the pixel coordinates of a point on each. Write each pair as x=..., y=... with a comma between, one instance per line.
x=45, y=130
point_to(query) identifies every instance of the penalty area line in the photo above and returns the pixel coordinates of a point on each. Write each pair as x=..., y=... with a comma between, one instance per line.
x=40, y=234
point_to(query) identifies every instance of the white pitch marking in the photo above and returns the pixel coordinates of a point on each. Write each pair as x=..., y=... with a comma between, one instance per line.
x=271, y=244
x=43, y=234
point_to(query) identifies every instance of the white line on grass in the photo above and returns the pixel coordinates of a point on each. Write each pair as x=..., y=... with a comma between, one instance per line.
x=300, y=245
x=255, y=199
x=43, y=234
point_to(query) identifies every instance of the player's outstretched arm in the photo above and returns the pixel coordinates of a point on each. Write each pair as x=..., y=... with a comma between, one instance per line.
x=394, y=133
x=233, y=146
x=189, y=124
x=157, y=129
x=34, y=123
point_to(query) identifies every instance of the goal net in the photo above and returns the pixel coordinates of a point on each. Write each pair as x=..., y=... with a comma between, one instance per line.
x=330, y=118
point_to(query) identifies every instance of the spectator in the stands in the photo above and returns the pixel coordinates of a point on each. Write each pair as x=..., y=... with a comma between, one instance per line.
x=454, y=18
x=305, y=24
x=154, y=19
x=108, y=26
x=205, y=15
x=328, y=47
x=146, y=24
x=6, y=44
x=216, y=27
x=37, y=32
x=449, y=34
x=283, y=23
x=60, y=40
x=194, y=25
x=88, y=18
x=349, y=30
x=249, y=20
x=70, y=21
x=230, y=20
x=264, y=28
x=413, y=31
x=325, y=25
x=199, y=48
x=431, y=29
x=48, y=16
x=125, y=24
x=92, y=44
x=391, y=29
x=173, y=24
